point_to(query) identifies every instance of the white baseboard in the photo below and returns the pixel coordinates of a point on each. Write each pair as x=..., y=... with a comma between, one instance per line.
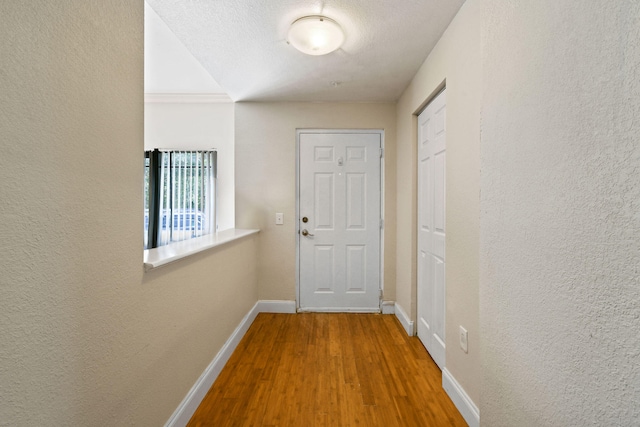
x=340, y=310
x=465, y=405
x=192, y=400
x=388, y=307
x=276, y=306
x=404, y=320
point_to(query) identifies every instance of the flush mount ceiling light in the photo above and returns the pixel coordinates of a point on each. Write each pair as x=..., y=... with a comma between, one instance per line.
x=315, y=35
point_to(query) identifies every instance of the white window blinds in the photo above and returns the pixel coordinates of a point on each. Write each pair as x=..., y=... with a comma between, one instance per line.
x=181, y=195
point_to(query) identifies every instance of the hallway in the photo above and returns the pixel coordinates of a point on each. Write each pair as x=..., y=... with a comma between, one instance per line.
x=328, y=370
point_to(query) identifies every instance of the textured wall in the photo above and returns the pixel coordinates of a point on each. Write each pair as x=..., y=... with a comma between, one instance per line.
x=266, y=180
x=456, y=59
x=560, y=221
x=86, y=337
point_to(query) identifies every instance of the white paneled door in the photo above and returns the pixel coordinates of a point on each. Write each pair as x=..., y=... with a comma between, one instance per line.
x=339, y=220
x=431, y=227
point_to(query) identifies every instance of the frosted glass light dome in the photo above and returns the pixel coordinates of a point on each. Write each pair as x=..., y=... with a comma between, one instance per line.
x=315, y=35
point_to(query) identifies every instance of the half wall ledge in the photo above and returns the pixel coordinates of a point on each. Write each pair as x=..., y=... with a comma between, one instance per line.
x=157, y=257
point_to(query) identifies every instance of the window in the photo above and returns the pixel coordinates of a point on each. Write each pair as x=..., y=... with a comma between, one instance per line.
x=180, y=196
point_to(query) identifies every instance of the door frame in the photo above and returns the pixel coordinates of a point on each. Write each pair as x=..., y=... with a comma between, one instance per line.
x=300, y=131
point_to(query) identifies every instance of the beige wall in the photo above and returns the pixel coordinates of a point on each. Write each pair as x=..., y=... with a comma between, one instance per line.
x=87, y=337
x=560, y=222
x=266, y=181
x=455, y=59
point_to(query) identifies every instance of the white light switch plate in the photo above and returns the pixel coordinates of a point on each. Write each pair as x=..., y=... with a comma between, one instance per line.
x=279, y=218
x=463, y=339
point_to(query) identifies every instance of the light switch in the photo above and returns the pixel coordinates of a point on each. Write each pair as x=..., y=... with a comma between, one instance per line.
x=279, y=218
x=464, y=338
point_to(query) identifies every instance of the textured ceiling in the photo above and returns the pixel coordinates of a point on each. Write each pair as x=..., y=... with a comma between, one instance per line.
x=242, y=44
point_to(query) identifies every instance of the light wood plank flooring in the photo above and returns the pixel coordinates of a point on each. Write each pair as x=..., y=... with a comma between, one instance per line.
x=328, y=370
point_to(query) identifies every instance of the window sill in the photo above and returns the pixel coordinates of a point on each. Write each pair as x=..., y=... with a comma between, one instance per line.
x=157, y=257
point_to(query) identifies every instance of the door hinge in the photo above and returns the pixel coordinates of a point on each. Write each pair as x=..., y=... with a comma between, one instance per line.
x=381, y=293
x=381, y=224
x=381, y=152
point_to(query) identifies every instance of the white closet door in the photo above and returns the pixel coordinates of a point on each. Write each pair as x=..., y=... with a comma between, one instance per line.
x=431, y=227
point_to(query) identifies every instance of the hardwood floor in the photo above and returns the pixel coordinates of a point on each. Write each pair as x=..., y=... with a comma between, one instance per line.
x=315, y=369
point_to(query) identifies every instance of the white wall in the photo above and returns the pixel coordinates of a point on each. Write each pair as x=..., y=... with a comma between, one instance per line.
x=560, y=222
x=87, y=338
x=185, y=122
x=455, y=59
x=266, y=179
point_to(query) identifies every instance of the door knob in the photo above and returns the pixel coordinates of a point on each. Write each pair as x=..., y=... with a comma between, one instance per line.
x=306, y=233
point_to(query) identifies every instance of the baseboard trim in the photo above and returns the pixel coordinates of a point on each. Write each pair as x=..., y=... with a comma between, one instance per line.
x=276, y=306
x=192, y=400
x=463, y=402
x=339, y=310
x=388, y=307
x=404, y=320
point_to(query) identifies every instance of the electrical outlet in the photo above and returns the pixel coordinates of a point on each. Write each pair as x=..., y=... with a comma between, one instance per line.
x=279, y=218
x=463, y=339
